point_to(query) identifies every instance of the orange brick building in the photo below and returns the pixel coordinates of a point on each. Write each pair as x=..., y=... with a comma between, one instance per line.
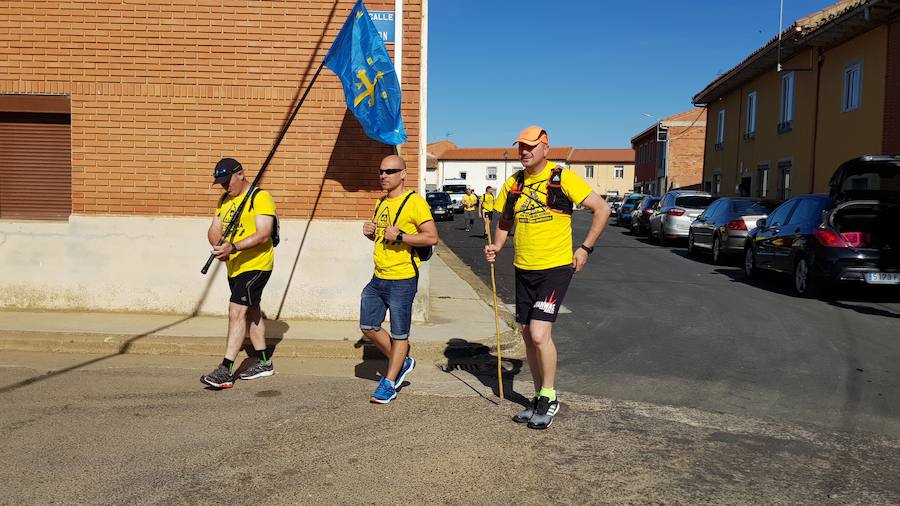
x=669, y=154
x=114, y=114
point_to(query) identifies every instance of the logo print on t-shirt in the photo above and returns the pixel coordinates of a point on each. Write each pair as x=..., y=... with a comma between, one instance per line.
x=229, y=213
x=382, y=222
x=532, y=204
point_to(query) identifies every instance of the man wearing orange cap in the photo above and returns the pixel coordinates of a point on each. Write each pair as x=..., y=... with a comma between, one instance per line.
x=539, y=199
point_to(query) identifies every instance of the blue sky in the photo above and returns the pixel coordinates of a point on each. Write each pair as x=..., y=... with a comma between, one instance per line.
x=587, y=71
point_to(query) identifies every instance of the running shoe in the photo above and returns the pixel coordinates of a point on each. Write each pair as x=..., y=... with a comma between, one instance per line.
x=385, y=392
x=544, y=411
x=219, y=378
x=408, y=365
x=259, y=370
x=526, y=414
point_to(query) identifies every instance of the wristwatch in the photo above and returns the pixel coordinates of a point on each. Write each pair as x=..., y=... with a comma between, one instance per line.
x=233, y=249
x=589, y=250
x=400, y=237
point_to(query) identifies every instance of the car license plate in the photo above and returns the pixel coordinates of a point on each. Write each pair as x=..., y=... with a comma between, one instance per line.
x=883, y=278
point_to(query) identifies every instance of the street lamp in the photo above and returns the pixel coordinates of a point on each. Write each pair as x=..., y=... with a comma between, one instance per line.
x=505, y=158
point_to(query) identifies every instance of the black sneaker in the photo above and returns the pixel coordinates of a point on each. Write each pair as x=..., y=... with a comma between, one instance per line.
x=526, y=414
x=259, y=370
x=544, y=411
x=219, y=378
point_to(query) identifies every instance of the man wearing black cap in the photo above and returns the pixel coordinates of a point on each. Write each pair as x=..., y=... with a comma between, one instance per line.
x=249, y=256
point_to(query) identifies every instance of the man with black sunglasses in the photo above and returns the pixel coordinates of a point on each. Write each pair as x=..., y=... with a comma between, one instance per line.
x=249, y=257
x=402, y=220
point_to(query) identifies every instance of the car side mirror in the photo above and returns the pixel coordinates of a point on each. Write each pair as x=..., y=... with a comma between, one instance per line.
x=761, y=223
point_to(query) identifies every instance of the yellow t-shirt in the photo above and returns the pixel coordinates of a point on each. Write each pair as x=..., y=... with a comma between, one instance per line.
x=543, y=237
x=393, y=260
x=487, y=202
x=260, y=257
x=470, y=201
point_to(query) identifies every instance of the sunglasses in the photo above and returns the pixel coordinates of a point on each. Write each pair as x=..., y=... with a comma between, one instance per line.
x=389, y=171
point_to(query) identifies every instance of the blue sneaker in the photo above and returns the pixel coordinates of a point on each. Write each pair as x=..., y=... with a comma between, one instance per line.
x=408, y=365
x=385, y=392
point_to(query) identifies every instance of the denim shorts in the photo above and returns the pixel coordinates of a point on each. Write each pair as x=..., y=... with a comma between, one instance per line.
x=383, y=294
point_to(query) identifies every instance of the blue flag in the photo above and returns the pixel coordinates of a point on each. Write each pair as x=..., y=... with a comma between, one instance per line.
x=361, y=61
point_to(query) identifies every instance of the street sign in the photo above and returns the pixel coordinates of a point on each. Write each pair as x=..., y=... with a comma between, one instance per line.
x=384, y=23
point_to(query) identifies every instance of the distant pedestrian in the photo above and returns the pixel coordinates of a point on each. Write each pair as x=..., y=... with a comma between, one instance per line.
x=249, y=258
x=539, y=199
x=470, y=202
x=402, y=220
x=487, y=209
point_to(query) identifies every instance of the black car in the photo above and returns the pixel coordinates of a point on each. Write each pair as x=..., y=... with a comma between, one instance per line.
x=852, y=234
x=640, y=216
x=441, y=205
x=723, y=227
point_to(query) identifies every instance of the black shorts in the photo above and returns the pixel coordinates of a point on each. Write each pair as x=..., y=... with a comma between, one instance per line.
x=247, y=287
x=539, y=294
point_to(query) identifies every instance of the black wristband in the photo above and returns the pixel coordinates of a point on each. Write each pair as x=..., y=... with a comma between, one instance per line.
x=400, y=237
x=589, y=250
x=233, y=248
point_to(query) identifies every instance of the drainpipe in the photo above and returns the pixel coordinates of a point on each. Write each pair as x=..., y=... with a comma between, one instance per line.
x=815, y=132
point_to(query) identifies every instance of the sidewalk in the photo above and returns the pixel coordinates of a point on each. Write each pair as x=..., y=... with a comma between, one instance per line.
x=459, y=319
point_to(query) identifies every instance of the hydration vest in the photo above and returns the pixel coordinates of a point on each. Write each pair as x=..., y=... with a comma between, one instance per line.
x=556, y=199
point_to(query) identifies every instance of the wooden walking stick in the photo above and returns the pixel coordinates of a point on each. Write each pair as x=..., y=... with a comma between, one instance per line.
x=496, y=318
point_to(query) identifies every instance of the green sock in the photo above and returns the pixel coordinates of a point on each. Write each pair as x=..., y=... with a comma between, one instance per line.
x=548, y=393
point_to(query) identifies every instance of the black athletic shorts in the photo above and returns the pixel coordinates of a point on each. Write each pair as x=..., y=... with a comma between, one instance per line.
x=539, y=294
x=247, y=287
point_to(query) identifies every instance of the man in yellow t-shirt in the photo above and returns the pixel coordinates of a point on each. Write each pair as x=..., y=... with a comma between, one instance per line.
x=470, y=202
x=487, y=209
x=249, y=257
x=402, y=220
x=539, y=199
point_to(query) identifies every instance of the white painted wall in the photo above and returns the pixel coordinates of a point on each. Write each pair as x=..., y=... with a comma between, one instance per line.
x=153, y=265
x=476, y=172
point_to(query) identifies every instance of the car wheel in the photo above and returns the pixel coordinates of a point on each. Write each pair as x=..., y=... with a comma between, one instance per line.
x=717, y=250
x=804, y=283
x=749, y=262
x=690, y=247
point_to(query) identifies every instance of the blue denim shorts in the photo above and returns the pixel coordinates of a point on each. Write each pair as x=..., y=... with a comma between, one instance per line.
x=383, y=294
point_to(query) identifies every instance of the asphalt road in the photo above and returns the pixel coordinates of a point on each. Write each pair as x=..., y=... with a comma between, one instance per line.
x=652, y=324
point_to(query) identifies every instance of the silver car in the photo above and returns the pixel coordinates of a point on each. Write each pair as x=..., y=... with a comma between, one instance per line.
x=724, y=226
x=677, y=210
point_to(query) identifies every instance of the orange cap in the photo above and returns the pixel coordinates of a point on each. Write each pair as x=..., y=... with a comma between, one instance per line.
x=533, y=136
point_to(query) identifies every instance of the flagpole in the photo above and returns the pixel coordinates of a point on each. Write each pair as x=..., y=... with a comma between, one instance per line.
x=230, y=229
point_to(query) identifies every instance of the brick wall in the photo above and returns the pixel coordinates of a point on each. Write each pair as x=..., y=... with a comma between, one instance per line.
x=160, y=90
x=686, y=155
x=891, y=132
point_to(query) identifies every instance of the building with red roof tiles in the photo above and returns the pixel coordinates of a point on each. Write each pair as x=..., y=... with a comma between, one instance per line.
x=669, y=153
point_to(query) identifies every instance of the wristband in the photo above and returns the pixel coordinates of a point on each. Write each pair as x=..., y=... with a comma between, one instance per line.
x=233, y=249
x=589, y=250
x=400, y=237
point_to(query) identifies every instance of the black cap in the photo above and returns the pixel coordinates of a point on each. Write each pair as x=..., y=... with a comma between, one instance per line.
x=224, y=169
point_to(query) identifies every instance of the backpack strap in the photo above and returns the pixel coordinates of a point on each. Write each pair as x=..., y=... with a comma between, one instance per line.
x=557, y=201
x=512, y=196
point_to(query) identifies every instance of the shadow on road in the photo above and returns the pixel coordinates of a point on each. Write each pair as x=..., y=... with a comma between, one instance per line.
x=477, y=360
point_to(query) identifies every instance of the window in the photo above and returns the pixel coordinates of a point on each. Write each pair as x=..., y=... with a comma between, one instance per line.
x=784, y=182
x=720, y=130
x=589, y=171
x=491, y=173
x=744, y=187
x=762, y=180
x=716, y=183
x=620, y=171
x=462, y=175
x=786, y=116
x=852, y=87
x=778, y=217
x=751, y=116
x=808, y=212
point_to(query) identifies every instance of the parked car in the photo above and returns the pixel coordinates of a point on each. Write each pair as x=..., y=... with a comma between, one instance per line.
x=723, y=227
x=849, y=235
x=628, y=205
x=614, y=205
x=677, y=210
x=456, y=188
x=640, y=217
x=441, y=205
